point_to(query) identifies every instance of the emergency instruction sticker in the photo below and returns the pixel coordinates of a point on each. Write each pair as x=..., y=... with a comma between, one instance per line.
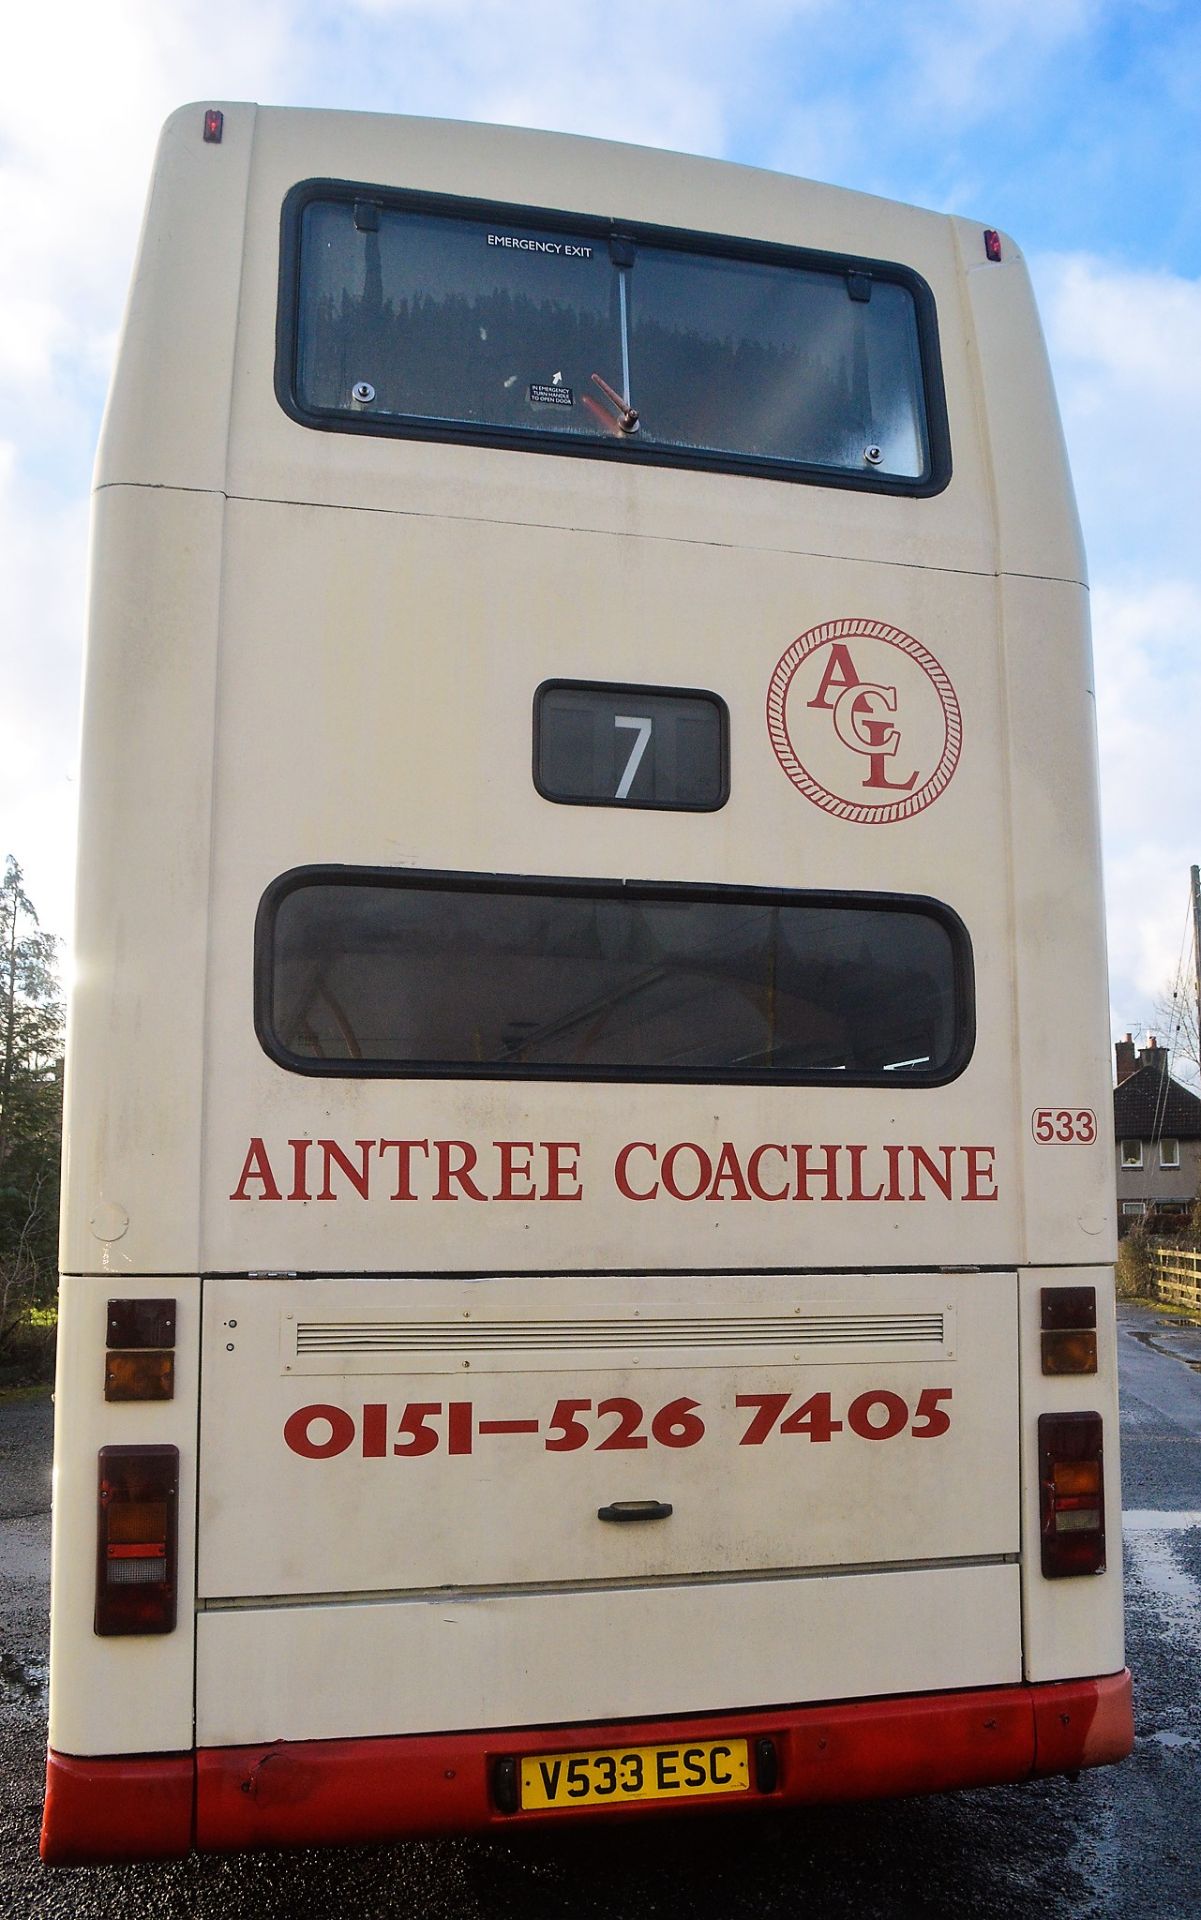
x=551, y=394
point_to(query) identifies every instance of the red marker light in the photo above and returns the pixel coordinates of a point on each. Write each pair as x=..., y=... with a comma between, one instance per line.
x=1069, y=1329
x=214, y=121
x=992, y=239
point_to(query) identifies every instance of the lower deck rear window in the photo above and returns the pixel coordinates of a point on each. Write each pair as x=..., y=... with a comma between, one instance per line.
x=401, y=973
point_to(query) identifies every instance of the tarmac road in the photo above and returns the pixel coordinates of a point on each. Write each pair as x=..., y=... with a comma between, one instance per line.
x=1124, y=1842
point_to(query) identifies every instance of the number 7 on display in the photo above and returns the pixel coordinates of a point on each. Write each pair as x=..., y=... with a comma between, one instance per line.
x=640, y=725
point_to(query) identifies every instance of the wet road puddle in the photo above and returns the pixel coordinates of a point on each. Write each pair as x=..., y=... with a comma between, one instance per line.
x=1157, y=1579
x=1166, y=1738
x=1146, y=1338
x=1145, y=1520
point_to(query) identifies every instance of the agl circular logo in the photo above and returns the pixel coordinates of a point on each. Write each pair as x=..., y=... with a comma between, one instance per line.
x=864, y=721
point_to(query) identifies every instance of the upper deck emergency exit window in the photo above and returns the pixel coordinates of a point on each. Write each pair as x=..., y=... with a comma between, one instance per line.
x=433, y=319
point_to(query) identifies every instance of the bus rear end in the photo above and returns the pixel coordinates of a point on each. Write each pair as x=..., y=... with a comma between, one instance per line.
x=588, y=1235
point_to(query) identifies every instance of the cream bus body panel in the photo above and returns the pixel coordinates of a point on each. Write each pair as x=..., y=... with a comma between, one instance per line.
x=375, y=614
x=1060, y=998
x=515, y=1512
x=1069, y=1626
x=505, y=606
x=192, y=267
x=407, y=768
x=616, y=501
x=122, y=1696
x=131, y=1695
x=132, y=1193
x=271, y=458
x=433, y=1664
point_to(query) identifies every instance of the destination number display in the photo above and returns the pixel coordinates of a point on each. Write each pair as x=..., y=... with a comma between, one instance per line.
x=626, y=746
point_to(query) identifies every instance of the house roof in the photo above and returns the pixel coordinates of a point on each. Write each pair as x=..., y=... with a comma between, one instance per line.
x=1150, y=1104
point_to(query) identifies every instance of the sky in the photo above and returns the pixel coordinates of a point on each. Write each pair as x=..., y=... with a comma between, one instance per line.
x=1075, y=125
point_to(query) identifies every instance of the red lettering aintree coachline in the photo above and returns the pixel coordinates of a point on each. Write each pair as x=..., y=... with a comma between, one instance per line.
x=526, y=1172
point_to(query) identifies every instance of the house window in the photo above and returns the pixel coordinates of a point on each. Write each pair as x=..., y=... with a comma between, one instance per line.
x=1132, y=1153
x=1169, y=1153
x=1131, y=1207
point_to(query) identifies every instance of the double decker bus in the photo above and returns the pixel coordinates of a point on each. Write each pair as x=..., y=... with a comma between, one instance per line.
x=588, y=1220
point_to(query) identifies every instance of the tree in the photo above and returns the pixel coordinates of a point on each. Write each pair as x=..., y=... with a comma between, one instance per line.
x=31, y=1103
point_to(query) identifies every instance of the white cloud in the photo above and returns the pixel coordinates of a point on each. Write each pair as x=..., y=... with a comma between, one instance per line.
x=1149, y=720
x=42, y=550
x=672, y=73
x=1144, y=329
x=1126, y=347
x=80, y=107
x=965, y=54
x=80, y=115
x=881, y=92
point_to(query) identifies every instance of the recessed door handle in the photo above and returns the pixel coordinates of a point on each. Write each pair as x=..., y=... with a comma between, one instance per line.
x=635, y=1510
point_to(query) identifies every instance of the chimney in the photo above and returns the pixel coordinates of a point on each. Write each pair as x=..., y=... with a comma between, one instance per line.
x=1154, y=1056
x=1125, y=1057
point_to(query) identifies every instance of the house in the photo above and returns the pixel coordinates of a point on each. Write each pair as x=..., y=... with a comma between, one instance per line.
x=1157, y=1128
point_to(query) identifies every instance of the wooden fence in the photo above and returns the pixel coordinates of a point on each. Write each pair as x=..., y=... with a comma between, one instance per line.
x=1176, y=1272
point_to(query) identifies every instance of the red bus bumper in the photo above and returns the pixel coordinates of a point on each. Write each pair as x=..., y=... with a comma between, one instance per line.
x=339, y=1792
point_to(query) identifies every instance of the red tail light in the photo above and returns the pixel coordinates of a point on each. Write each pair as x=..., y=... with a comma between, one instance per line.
x=136, y=1557
x=992, y=243
x=1072, y=1485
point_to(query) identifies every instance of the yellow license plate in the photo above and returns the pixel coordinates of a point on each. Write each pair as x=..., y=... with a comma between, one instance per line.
x=611, y=1776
